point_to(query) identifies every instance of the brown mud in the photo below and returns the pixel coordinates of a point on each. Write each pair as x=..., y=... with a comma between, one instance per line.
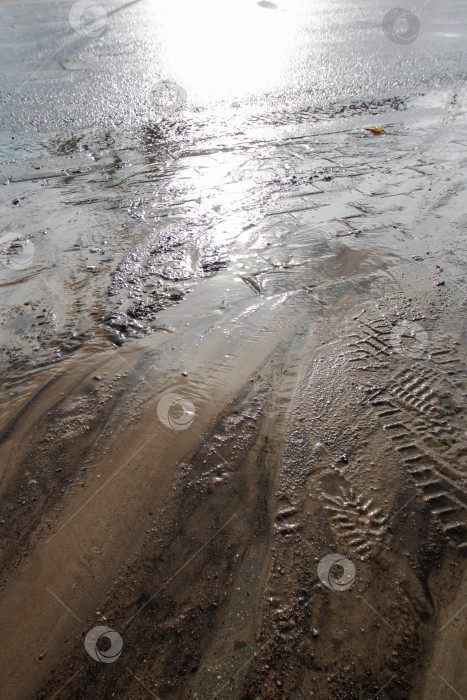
x=329, y=387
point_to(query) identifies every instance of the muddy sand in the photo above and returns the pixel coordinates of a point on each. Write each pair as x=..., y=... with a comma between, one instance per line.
x=303, y=398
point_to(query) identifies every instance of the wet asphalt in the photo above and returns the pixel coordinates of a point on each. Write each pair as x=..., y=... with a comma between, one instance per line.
x=117, y=64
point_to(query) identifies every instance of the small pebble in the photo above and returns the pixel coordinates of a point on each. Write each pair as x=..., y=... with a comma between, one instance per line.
x=315, y=632
x=184, y=374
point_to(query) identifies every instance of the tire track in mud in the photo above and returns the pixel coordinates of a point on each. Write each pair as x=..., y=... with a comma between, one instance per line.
x=420, y=407
x=129, y=415
x=48, y=453
x=202, y=618
x=327, y=498
x=364, y=419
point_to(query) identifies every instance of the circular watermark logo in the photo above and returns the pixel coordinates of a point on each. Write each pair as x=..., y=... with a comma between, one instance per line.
x=88, y=18
x=401, y=26
x=94, y=643
x=15, y=252
x=336, y=572
x=167, y=98
x=408, y=339
x=176, y=412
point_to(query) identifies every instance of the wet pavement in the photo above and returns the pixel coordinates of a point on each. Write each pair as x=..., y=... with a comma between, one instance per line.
x=102, y=67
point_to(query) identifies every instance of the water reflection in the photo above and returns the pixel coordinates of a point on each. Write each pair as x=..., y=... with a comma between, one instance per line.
x=221, y=50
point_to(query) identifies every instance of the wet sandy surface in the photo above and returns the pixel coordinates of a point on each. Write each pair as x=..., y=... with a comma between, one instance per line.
x=320, y=354
x=232, y=407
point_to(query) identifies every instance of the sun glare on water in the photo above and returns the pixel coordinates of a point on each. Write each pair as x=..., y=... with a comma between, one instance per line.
x=219, y=50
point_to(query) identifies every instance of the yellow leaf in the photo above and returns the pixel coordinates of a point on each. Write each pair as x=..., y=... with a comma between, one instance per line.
x=375, y=129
